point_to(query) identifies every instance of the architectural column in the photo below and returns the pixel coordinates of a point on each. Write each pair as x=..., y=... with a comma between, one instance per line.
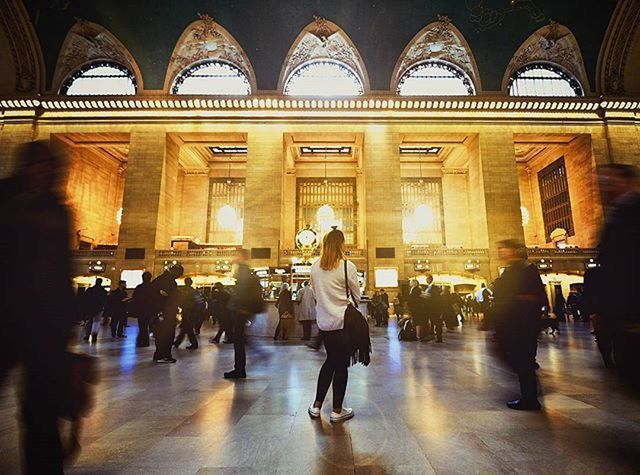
x=624, y=143
x=456, y=207
x=495, y=196
x=383, y=201
x=12, y=135
x=149, y=191
x=263, y=193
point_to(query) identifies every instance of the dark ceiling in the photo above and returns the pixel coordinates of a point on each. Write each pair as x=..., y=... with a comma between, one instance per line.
x=380, y=29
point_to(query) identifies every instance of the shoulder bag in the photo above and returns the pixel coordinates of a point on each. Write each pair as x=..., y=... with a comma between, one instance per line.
x=357, y=329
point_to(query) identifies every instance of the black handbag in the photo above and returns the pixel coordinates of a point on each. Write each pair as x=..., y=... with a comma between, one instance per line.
x=357, y=329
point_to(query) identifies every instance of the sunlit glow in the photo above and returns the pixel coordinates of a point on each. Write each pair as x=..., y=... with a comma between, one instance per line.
x=326, y=78
x=435, y=79
x=212, y=78
x=423, y=217
x=100, y=79
x=227, y=217
x=525, y=215
x=119, y=216
x=326, y=217
x=544, y=80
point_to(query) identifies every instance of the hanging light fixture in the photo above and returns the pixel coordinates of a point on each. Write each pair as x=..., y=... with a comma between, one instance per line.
x=423, y=216
x=227, y=216
x=325, y=215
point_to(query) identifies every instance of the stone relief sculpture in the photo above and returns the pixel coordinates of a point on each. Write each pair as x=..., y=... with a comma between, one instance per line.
x=555, y=44
x=204, y=40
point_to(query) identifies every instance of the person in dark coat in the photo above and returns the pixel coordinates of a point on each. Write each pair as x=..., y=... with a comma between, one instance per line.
x=165, y=301
x=417, y=309
x=142, y=308
x=518, y=299
x=433, y=308
x=620, y=264
x=592, y=309
x=219, y=307
x=93, y=303
x=36, y=319
x=285, y=312
x=384, y=308
x=189, y=321
x=116, y=308
x=560, y=305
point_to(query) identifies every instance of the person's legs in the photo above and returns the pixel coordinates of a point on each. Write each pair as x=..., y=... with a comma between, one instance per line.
x=523, y=355
x=275, y=336
x=190, y=330
x=306, y=330
x=113, y=325
x=122, y=323
x=180, y=338
x=438, y=329
x=240, y=355
x=165, y=332
x=142, y=340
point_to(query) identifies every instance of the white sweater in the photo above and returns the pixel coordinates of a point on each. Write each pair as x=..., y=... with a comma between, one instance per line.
x=331, y=297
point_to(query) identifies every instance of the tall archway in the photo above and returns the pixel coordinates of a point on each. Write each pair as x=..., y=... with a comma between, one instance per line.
x=440, y=47
x=205, y=42
x=324, y=45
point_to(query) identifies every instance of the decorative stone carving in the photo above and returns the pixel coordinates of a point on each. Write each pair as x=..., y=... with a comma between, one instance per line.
x=87, y=42
x=553, y=43
x=204, y=40
x=486, y=17
x=437, y=41
x=25, y=49
x=612, y=62
x=323, y=39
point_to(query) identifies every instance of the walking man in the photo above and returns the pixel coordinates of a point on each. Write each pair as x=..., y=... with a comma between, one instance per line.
x=165, y=297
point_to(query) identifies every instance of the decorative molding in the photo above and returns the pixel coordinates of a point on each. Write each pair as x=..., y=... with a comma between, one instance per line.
x=442, y=41
x=555, y=44
x=618, y=41
x=87, y=42
x=455, y=171
x=202, y=40
x=486, y=18
x=322, y=39
x=24, y=45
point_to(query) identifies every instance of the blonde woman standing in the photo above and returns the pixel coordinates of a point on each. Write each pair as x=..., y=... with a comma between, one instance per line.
x=330, y=287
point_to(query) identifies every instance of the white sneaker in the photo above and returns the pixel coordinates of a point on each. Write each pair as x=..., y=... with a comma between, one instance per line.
x=314, y=412
x=347, y=413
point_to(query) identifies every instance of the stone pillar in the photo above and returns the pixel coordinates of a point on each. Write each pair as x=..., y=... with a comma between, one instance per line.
x=146, y=214
x=383, y=200
x=494, y=183
x=456, y=207
x=263, y=192
x=624, y=143
x=12, y=135
x=194, y=188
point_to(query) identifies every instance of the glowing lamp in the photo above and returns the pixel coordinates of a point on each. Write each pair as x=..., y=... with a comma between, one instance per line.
x=423, y=216
x=227, y=217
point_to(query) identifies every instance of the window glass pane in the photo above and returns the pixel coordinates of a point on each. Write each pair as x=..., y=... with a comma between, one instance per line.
x=102, y=79
x=544, y=80
x=435, y=79
x=226, y=211
x=213, y=78
x=422, y=211
x=323, y=78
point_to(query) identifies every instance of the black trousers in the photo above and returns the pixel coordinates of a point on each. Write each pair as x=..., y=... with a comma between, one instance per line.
x=283, y=327
x=118, y=322
x=240, y=355
x=306, y=329
x=165, y=330
x=144, y=320
x=434, y=326
x=335, y=369
x=187, y=328
x=522, y=351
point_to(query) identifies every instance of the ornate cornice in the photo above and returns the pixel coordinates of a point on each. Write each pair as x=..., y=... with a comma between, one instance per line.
x=25, y=48
x=616, y=46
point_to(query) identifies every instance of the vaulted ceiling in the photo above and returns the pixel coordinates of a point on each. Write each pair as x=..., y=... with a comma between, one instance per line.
x=380, y=29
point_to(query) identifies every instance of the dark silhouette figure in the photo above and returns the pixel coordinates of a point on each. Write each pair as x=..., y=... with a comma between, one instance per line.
x=219, y=307
x=189, y=307
x=36, y=319
x=116, y=308
x=93, y=302
x=285, y=312
x=142, y=308
x=433, y=309
x=165, y=298
x=592, y=308
x=518, y=300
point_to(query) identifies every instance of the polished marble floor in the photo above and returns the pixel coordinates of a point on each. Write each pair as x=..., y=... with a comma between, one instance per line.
x=420, y=408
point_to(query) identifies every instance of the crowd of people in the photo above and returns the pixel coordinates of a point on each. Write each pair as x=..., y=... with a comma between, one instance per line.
x=40, y=318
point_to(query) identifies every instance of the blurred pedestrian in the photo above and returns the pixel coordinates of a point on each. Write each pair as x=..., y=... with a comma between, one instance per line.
x=219, y=307
x=116, y=309
x=93, y=302
x=306, y=309
x=142, y=308
x=190, y=308
x=285, y=312
x=165, y=300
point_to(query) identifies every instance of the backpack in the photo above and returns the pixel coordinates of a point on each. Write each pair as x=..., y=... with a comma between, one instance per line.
x=255, y=303
x=407, y=330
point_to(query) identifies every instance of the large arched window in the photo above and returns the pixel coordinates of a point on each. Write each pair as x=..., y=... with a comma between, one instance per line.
x=100, y=78
x=324, y=78
x=544, y=80
x=435, y=78
x=212, y=78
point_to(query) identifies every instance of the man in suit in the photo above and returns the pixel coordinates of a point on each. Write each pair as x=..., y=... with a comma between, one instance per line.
x=620, y=264
x=518, y=299
x=433, y=308
x=165, y=300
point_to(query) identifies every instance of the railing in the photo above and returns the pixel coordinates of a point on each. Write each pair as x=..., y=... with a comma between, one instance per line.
x=195, y=253
x=568, y=252
x=93, y=253
x=418, y=251
x=353, y=253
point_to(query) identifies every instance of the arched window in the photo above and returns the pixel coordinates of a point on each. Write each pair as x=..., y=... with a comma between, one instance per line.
x=544, y=80
x=103, y=78
x=435, y=78
x=213, y=78
x=325, y=78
